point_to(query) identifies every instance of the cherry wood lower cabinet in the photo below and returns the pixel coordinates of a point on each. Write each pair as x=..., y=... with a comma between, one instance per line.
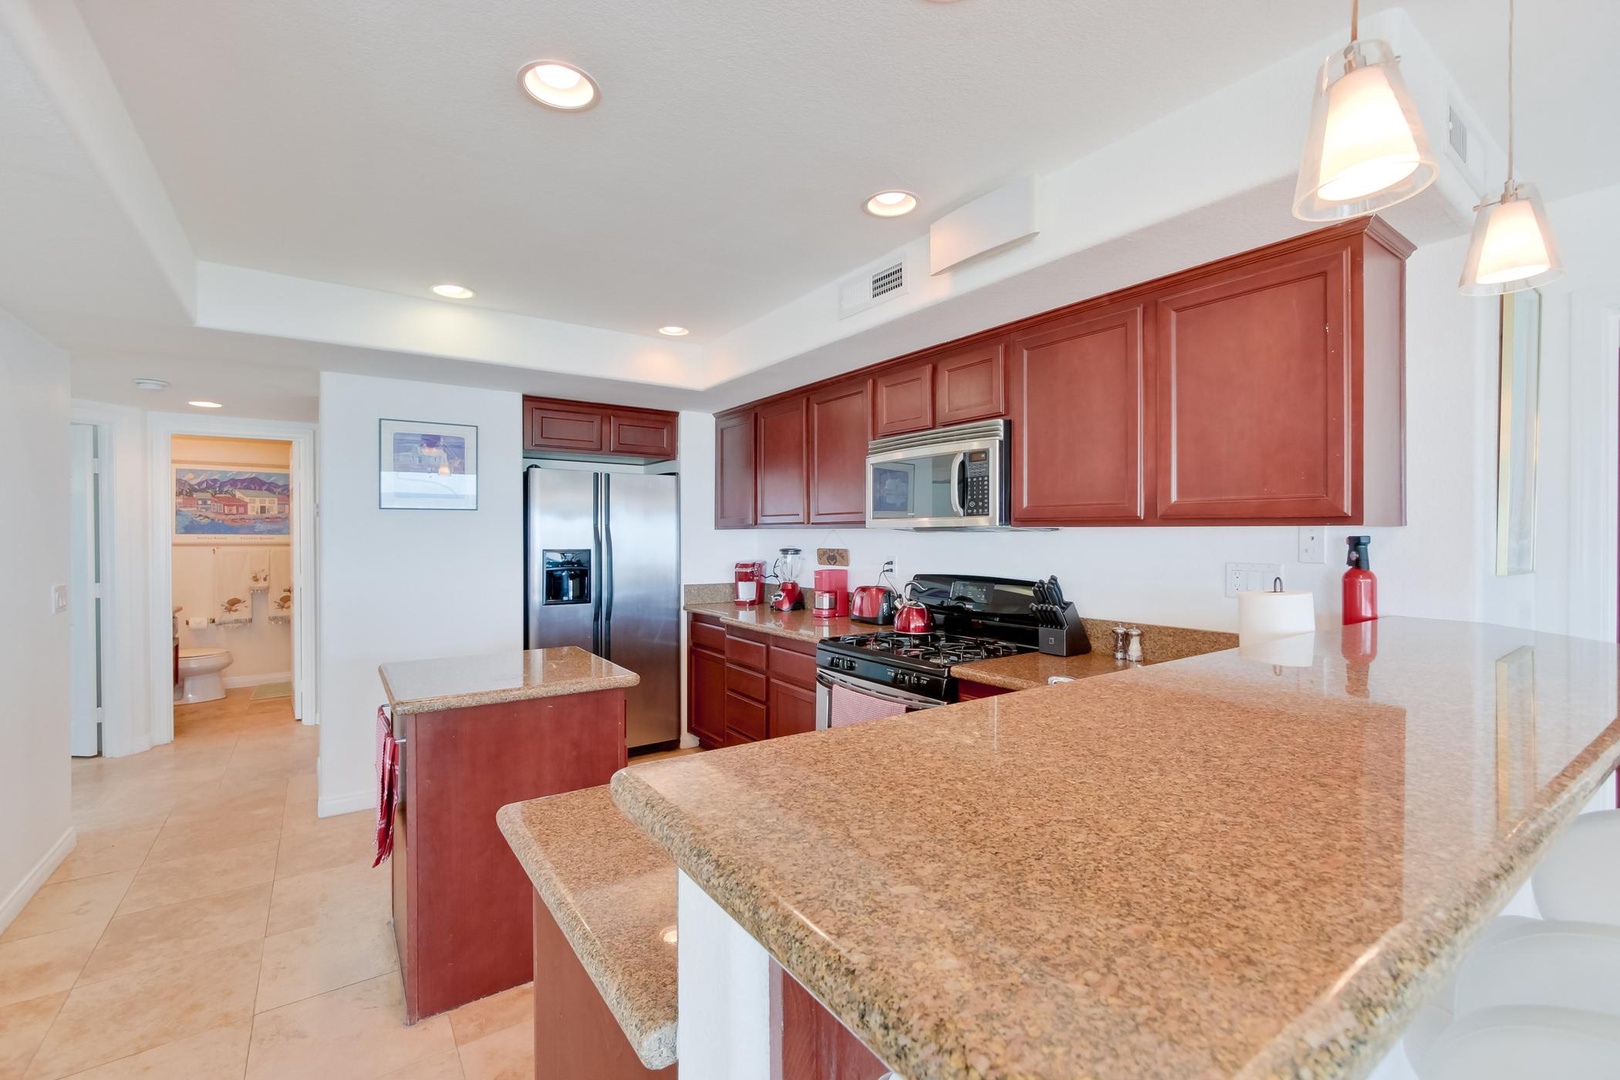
x=462, y=905
x=809, y=1042
x=761, y=686
x=974, y=691
x=575, y=1034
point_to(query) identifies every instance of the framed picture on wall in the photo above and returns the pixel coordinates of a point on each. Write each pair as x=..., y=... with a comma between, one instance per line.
x=217, y=503
x=425, y=466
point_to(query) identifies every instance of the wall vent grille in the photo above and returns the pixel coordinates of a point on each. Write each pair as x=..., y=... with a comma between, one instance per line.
x=870, y=287
x=887, y=281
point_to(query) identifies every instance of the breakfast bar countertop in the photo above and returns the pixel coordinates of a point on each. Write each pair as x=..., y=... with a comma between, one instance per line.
x=459, y=682
x=1215, y=867
x=612, y=893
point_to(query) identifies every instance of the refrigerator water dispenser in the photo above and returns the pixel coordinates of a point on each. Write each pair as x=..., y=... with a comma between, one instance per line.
x=567, y=576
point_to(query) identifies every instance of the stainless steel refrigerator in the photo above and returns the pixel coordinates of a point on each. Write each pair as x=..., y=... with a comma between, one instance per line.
x=602, y=557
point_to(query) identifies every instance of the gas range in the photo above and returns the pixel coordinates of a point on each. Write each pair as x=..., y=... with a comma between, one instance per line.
x=975, y=618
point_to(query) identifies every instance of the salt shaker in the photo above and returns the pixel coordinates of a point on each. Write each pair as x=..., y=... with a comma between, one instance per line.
x=1119, y=643
x=1134, y=652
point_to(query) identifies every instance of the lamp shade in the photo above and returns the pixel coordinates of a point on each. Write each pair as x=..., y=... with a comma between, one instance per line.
x=1366, y=149
x=1512, y=246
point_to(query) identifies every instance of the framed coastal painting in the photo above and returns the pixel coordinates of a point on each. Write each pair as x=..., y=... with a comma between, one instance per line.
x=425, y=466
x=214, y=503
x=1518, y=432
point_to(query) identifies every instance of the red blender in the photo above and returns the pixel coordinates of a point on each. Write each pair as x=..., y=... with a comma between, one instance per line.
x=788, y=596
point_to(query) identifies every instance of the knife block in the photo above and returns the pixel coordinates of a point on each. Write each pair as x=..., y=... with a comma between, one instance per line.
x=1067, y=640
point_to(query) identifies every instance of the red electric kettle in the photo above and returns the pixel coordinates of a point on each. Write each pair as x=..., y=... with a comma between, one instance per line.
x=911, y=617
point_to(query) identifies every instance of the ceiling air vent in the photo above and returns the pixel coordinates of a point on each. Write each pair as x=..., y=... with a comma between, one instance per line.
x=871, y=287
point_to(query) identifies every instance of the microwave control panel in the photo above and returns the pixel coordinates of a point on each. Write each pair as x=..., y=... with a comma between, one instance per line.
x=976, y=484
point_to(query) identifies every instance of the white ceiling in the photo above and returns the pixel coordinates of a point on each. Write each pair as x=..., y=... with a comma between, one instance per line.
x=386, y=145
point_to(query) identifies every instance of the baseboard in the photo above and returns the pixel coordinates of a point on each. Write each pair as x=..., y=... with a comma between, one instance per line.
x=18, y=898
x=135, y=746
x=236, y=682
x=333, y=805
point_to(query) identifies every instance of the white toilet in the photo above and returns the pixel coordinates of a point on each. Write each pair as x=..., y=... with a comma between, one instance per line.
x=199, y=674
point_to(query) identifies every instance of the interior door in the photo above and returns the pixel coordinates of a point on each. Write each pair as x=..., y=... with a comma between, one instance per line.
x=84, y=594
x=642, y=609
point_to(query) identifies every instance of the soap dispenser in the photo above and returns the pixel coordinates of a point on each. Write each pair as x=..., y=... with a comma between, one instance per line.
x=1360, y=586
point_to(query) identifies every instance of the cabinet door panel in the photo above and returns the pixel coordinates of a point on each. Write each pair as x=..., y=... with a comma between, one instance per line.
x=903, y=400
x=706, y=697
x=1079, y=394
x=792, y=709
x=780, y=454
x=970, y=384
x=734, y=480
x=1256, y=389
x=553, y=427
x=649, y=435
x=744, y=717
x=840, y=428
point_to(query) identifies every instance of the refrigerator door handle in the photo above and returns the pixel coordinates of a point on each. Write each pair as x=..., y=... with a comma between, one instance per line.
x=603, y=518
x=598, y=568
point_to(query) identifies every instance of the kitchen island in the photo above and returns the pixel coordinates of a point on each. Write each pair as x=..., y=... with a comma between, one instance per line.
x=1207, y=868
x=479, y=732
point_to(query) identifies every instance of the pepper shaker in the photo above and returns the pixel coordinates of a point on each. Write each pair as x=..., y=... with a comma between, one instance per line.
x=1119, y=643
x=1134, y=652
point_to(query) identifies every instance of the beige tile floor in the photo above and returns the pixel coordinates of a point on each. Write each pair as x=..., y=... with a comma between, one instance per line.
x=209, y=927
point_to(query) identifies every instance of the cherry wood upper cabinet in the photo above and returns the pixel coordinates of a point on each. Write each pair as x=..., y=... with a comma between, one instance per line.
x=734, y=478
x=779, y=455
x=903, y=400
x=554, y=428
x=1258, y=390
x=1080, y=399
x=970, y=383
x=642, y=434
x=840, y=428
x=552, y=425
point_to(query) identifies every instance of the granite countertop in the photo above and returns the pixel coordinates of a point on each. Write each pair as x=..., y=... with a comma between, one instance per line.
x=612, y=892
x=460, y=682
x=799, y=625
x=1026, y=671
x=1215, y=867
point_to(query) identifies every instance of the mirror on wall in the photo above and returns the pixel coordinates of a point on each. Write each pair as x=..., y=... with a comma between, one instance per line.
x=1518, y=432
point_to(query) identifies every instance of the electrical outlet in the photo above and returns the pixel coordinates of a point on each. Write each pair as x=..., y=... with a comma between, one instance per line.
x=59, y=599
x=1312, y=544
x=1251, y=576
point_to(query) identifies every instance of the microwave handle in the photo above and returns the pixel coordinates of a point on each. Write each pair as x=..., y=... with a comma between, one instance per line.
x=956, y=482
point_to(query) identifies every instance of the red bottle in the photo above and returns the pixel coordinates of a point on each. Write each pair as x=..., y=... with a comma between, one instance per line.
x=1360, y=586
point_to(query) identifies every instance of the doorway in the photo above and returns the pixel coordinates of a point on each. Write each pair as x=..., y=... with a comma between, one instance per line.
x=231, y=569
x=85, y=616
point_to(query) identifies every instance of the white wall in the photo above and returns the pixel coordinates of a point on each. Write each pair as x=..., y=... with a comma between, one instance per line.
x=1440, y=565
x=35, y=796
x=406, y=584
x=261, y=651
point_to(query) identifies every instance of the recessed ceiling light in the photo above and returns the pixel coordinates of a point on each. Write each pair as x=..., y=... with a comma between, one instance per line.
x=673, y=331
x=151, y=384
x=559, y=85
x=206, y=404
x=454, y=292
x=891, y=203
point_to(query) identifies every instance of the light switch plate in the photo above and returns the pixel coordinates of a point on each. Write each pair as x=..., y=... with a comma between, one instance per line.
x=59, y=599
x=1251, y=576
x=1312, y=544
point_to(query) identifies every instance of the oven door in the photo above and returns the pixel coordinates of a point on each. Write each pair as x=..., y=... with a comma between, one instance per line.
x=946, y=479
x=842, y=700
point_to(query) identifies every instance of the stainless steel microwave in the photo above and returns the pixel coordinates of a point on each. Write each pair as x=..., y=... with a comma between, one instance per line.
x=947, y=478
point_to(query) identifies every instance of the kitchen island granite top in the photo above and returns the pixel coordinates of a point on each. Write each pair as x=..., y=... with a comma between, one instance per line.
x=1207, y=868
x=612, y=892
x=460, y=682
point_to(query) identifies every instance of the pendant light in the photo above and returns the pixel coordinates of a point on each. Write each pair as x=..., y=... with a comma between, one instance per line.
x=1366, y=149
x=1512, y=246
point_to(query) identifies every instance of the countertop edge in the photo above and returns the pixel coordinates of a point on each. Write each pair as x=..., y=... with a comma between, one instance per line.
x=502, y=697
x=716, y=611
x=1347, y=1032
x=653, y=1039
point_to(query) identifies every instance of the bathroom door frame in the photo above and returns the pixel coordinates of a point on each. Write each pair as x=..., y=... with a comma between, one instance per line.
x=161, y=427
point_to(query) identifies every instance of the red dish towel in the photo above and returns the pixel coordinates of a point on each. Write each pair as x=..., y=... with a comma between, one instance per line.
x=853, y=707
x=387, y=784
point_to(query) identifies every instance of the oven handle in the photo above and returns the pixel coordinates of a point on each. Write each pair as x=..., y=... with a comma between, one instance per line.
x=830, y=679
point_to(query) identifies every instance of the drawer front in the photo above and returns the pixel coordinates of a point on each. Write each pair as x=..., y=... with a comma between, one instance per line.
x=748, y=652
x=707, y=635
x=745, y=682
x=795, y=667
x=744, y=717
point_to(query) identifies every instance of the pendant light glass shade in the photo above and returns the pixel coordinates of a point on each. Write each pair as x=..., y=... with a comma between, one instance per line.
x=1512, y=246
x=1366, y=149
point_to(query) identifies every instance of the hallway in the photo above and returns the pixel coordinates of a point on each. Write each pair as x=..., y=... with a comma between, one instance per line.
x=209, y=925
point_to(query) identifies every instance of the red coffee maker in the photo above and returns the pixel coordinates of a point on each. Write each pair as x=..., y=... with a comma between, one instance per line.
x=832, y=593
x=749, y=581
